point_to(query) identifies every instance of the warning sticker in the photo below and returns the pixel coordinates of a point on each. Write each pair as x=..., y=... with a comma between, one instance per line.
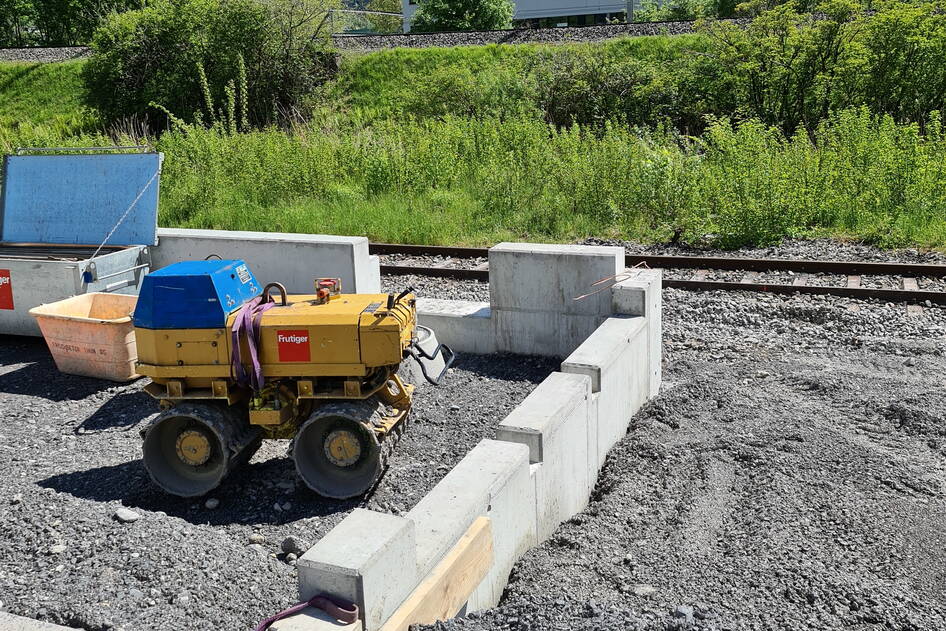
x=293, y=345
x=244, y=274
x=6, y=290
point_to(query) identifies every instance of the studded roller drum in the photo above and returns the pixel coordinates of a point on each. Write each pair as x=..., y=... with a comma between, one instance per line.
x=190, y=448
x=337, y=452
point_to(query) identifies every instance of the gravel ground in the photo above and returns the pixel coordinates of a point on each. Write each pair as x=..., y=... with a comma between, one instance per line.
x=560, y=35
x=425, y=40
x=71, y=459
x=409, y=260
x=813, y=249
x=790, y=475
x=442, y=288
x=42, y=55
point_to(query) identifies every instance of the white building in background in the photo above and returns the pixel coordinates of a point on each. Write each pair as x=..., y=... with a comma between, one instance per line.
x=547, y=13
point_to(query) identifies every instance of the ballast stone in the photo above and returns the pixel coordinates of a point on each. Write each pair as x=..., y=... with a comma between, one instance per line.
x=126, y=515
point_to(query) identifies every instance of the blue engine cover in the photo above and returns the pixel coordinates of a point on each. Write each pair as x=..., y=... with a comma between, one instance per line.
x=194, y=294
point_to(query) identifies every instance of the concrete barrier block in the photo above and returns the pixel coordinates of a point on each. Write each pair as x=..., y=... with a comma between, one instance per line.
x=294, y=260
x=361, y=560
x=463, y=325
x=592, y=446
x=548, y=277
x=615, y=358
x=372, y=282
x=492, y=480
x=640, y=295
x=545, y=333
x=553, y=422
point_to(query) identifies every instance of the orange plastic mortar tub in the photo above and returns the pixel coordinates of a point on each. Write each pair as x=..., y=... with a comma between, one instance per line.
x=91, y=335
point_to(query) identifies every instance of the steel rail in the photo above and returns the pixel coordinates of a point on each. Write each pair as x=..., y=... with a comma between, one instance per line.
x=846, y=268
x=862, y=293
x=885, y=295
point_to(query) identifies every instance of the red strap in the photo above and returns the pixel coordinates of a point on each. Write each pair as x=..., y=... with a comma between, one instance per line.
x=347, y=614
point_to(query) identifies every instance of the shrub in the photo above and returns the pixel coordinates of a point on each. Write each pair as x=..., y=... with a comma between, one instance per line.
x=158, y=54
x=462, y=15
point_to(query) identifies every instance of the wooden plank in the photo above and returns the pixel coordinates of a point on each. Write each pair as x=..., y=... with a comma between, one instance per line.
x=853, y=282
x=448, y=587
x=750, y=278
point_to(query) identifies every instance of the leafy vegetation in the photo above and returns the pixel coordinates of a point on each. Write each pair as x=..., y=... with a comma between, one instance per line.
x=793, y=126
x=191, y=55
x=478, y=181
x=54, y=22
x=462, y=15
x=785, y=69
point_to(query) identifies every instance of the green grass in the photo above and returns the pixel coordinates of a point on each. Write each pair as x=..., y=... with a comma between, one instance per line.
x=374, y=162
x=404, y=82
x=44, y=99
x=464, y=181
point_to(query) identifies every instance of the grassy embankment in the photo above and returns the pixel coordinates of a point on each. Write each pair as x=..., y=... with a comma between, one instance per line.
x=401, y=149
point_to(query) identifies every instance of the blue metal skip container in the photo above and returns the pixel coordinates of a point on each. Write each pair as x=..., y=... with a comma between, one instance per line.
x=74, y=222
x=194, y=294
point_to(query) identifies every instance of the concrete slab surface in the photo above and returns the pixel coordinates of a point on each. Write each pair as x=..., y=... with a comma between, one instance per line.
x=10, y=622
x=312, y=619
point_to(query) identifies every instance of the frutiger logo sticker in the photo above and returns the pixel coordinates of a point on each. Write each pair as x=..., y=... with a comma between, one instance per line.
x=6, y=290
x=293, y=345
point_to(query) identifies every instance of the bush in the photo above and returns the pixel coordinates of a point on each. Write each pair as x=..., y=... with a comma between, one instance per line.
x=277, y=49
x=462, y=15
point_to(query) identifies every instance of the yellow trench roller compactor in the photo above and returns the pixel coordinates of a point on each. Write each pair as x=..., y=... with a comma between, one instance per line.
x=231, y=365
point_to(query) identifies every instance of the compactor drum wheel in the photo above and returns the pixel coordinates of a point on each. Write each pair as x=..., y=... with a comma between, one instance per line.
x=190, y=449
x=336, y=451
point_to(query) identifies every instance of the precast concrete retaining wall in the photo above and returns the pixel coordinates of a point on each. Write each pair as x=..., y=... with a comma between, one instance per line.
x=294, y=260
x=543, y=300
x=542, y=467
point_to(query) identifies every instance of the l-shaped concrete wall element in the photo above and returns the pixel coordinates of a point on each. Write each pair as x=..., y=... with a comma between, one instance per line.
x=294, y=260
x=543, y=300
x=540, y=470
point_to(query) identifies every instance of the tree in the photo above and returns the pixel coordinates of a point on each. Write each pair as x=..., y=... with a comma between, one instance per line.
x=16, y=18
x=462, y=15
x=786, y=68
x=384, y=23
x=54, y=22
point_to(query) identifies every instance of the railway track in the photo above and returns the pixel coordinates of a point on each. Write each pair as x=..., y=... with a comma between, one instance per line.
x=916, y=284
